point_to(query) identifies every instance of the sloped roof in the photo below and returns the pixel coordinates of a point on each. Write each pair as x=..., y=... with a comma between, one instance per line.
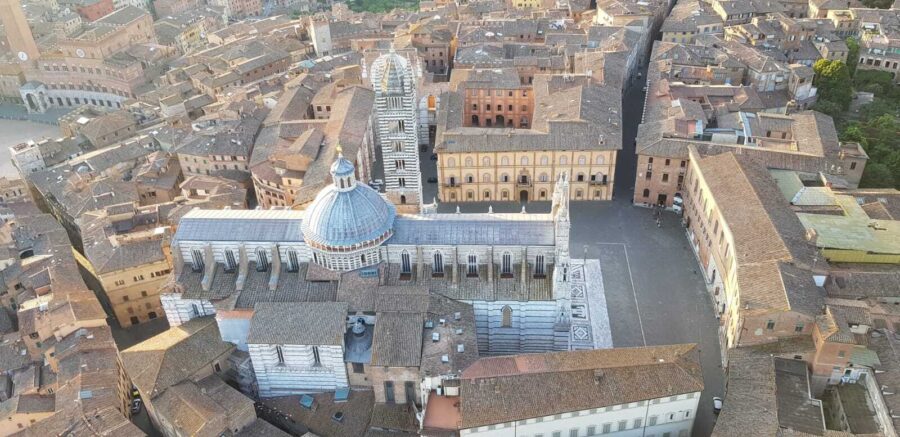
x=170, y=357
x=552, y=383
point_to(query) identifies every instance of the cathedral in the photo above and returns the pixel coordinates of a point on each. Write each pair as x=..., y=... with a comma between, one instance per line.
x=350, y=245
x=357, y=288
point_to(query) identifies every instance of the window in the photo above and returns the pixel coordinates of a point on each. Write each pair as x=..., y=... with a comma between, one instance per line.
x=438, y=266
x=196, y=260
x=841, y=354
x=651, y=421
x=230, y=263
x=262, y=261
x=293, y=261
x=280, y=354
x=143, y=294
x=125, y=298
x=607, y=427
x=359, y=368
x=485, y=162
x=646, y=193
x=539, y=265
x=506, y=264
x=317, y=360
x=770, y=325
x=592, y=430
x=195, y=309
x=506, y=320
x=622, y=425
x=472, y=265
x=389, y=392
x=217, y=367
x=582, y=160
x=648, y=175
x=523, y=160
x=573, y=432
x=409, y=389
x=637, y=423
x=798, y=327
x=665, y=177
x=853, y=166
x=405, y=265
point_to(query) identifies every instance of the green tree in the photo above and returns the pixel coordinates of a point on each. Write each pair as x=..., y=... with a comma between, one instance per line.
x=833, y=81
x=852, y=55
x=877, y=175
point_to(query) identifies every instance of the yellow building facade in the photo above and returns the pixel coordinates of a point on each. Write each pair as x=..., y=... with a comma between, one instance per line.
x=524, y=175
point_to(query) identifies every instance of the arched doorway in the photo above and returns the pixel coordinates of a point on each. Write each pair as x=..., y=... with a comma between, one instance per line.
x=500, y=120
x=523, y=196
x=475, y=120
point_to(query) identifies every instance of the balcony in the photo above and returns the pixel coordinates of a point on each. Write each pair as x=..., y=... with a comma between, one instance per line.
x=521, y=183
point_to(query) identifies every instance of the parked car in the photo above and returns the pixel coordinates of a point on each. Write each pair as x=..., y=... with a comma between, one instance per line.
x=434, y=156
x=136, y=406
x=135, y=393
x=717, y=405
x=432, y=180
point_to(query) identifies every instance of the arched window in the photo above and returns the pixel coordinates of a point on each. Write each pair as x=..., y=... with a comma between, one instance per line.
x=523, y=160
x=196, y=260
x=293, y=261
x=504, y=177
x=580, y=177
x=582, y=160
x=646, y=192
x=475, y=120
x=506, y=264
x=405, y=264
x=262, y=260
x=487, y=195
x=469, y=162
x=470, y=179
x=504, y=194
x=438, y=265
x=600, y=160
x=545, y=160
x=472, y=265
x=486, y=177
x=485, y=162
x=544, y=177
x=230, y=261
x=451, y=162
x=543, y=194
x=579, y=194
x=563, y=160
x=539, y=265
x=504, y=160
x=506, y=313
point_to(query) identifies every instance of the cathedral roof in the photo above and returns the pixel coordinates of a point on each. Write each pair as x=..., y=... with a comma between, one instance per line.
x=341, y=217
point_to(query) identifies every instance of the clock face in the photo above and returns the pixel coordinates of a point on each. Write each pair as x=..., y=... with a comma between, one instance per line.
x=80, y=53
x=23, y=56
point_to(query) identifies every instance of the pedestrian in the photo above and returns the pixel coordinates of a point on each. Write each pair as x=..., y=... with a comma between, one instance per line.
x=658, y=224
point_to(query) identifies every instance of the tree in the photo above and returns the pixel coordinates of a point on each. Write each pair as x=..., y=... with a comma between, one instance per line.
x=852, y=55
x=877, y=175
x=833, y=81
x=828, y=107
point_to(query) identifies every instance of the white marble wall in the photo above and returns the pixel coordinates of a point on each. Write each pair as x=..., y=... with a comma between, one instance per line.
x=298, y=374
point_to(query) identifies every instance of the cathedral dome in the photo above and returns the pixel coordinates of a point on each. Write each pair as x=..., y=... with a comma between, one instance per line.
x=346, y=215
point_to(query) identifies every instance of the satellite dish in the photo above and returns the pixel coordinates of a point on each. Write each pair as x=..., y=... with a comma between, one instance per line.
x=79, y=52
x=23, y=56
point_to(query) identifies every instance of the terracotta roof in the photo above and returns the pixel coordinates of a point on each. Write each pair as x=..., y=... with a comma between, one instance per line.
x=174, y=355
x=290, y=322
x=545, y=384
